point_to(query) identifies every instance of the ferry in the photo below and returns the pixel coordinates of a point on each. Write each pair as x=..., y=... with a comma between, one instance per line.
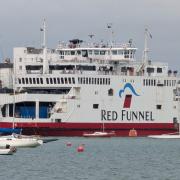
x=81, y=87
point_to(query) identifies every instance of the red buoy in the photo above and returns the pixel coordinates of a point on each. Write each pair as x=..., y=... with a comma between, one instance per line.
x=80, y=148
x=68, y=144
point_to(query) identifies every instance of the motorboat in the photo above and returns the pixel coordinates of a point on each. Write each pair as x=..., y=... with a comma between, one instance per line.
x=7, y=150
x=99, y=134
x=16, y=140
x=165, y=136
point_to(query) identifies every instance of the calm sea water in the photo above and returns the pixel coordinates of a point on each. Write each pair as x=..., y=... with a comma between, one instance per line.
x=103, y=159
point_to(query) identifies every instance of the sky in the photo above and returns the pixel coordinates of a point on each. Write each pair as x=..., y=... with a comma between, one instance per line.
x=20, y=22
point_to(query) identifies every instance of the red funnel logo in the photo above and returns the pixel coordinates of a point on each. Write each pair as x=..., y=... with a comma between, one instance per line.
x=127, y=101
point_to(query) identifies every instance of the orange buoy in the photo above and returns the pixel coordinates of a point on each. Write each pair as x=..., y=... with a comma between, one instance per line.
x=132, y=133
x=80, y=148
x=68, y=144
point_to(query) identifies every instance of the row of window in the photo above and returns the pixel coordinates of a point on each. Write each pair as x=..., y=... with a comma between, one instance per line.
x=152, y=82
x=65, y=80
x=101, y=81
x=97, y=52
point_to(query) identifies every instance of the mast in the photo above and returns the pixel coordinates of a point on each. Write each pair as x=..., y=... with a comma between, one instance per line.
x=146, y=49
x=45, y=61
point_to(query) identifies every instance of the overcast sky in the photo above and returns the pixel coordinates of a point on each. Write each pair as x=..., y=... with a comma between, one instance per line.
x=20, y=22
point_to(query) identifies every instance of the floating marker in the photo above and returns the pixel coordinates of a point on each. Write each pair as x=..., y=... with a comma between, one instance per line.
x=68, y=144
x=80, y=148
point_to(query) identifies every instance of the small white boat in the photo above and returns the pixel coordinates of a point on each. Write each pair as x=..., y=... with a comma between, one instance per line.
x=7, y=150
x=16, y=140
x=99, y=134
x=165, y=136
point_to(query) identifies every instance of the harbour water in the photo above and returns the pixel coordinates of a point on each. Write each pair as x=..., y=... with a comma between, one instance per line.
x=102, y=159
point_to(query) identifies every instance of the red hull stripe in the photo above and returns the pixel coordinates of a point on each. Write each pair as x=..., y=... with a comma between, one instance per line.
x=77, y=129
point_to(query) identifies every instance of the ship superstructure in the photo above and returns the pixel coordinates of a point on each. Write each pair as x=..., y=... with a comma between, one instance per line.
x=77, y=87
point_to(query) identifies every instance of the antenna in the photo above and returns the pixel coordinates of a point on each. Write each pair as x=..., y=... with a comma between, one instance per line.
x=109, y=26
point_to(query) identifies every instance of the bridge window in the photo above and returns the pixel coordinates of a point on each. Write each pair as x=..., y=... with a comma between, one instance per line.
x=159, y=70
x=114, y=52
x=102, y=52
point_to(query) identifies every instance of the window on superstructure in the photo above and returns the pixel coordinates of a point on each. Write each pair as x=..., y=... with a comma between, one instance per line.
x=159, y=70
x=89, y=80
x=95, y=106
x=154, y=82
x=19, y=80
x=72, y=52
x=164, y=82
x=96, y=52
x=84, y=53
x=78, y=52
x=86, y=80
x=41, y=80
x=73, y=80
x=37, y=80
x=69, y=79
x=62, y=81
x=114, y=52
x=65, y=80
x=100, y=80
x=26, y=80
x=104, y=81
x=58, y=80
x=97, y=80
x=150, y=70
x=109, y=81
x=126, y=53
x=51, y=81
x=54, y=80
x=110, y=92
x=120, y=52
x=144, y=82
x=30, y=80
x=20, y=59
x=158, y=106
x=23, y=81
x=90, y=52
x=34, y=81
x=169, y=82
x=47, y=80
x=102, y=52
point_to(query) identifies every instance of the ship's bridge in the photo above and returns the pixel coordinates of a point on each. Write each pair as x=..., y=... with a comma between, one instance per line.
x=112, y=52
